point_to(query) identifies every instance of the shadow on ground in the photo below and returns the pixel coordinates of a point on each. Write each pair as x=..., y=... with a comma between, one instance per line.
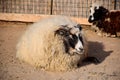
x=96, y=50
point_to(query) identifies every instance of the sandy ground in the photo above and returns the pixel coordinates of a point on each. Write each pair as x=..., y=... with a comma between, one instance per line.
x=105, y=49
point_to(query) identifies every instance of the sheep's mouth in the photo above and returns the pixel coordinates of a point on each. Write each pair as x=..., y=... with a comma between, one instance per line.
x=79, y=52
x=75, y=51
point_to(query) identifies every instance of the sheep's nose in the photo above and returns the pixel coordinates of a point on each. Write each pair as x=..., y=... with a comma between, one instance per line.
x=81, y=49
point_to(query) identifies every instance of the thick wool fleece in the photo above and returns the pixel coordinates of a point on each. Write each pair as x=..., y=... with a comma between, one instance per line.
x=40, y=47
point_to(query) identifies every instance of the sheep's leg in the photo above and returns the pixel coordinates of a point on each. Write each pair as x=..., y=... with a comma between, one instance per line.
x=116, y=34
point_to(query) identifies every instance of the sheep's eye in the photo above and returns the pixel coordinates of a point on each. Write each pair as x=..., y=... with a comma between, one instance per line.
x=74, y=37
x=62, y=32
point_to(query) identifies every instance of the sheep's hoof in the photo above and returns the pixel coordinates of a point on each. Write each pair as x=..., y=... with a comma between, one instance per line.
x=113, y=36
x=91, y=59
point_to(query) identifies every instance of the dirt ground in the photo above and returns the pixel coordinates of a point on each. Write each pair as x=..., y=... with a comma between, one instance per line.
x=107, y=50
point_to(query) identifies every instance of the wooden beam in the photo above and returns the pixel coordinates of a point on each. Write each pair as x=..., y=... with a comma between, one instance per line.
x=83, y=21
x=34, y=18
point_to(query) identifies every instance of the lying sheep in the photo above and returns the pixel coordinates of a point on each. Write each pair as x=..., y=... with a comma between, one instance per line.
x=105, y=20
x=55, y=44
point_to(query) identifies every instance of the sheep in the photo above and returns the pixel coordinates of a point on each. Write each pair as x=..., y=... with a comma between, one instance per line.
x=106, y=21
x=53, y=44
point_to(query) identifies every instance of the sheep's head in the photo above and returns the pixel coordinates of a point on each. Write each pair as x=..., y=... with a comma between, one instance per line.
x=97, y=13
x=72, y=38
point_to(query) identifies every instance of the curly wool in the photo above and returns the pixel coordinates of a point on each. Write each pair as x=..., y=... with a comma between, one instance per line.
x=41, y=48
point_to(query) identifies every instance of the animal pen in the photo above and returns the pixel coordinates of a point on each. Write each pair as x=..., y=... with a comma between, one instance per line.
x=33, y=10
x=16, y=15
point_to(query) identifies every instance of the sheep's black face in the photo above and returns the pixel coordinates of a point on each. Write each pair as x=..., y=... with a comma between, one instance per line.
x=97, y=13
x=76, y=42
x=72, y=38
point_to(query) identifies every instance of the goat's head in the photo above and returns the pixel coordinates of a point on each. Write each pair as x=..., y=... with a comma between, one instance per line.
x=72, y=38
x=97, y=13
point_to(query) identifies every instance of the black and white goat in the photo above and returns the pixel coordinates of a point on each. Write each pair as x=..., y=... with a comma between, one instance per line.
x=105, y=20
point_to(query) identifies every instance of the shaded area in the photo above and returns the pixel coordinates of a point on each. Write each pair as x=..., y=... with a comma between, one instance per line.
x=96, y=52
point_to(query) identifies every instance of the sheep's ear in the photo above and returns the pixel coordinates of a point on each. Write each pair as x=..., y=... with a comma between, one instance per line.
x=104, y=10
x=62, y=32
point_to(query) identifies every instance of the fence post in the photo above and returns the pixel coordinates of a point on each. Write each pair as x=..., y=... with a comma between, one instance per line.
x=51, y=8
x=115, y=4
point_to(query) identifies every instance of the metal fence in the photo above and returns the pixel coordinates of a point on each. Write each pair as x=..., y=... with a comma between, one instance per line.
x=75, y=8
